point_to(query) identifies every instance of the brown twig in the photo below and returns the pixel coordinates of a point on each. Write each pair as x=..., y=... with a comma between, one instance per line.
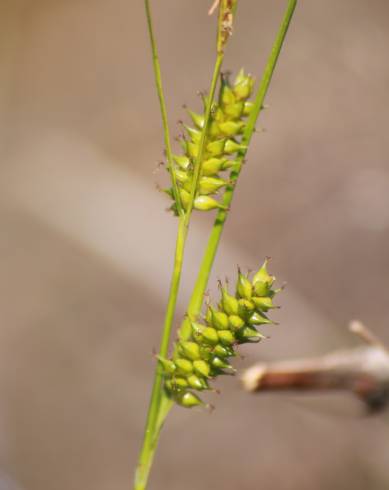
x=363, y=371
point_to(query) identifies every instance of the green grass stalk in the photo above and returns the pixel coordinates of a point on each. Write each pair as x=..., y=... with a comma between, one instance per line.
x=200, y=287
x=157, y=413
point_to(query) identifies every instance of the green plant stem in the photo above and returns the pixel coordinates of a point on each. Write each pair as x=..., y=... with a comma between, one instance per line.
x=156, y=417
x=162, y=104
x=158, y=411
x=196, y=300
x=150, y=439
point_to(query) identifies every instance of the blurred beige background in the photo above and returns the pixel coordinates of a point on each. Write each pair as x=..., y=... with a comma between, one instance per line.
x=86, y=245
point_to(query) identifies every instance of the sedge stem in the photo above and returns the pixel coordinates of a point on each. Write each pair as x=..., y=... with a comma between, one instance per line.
x=162, y=104
x=196, y=300
x=157, y=410
x=151, y=432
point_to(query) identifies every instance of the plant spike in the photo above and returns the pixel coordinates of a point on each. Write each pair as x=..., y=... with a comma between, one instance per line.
x=221, y=144
x=205, y=355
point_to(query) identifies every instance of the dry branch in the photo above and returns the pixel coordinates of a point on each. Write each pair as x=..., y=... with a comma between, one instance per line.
x=363, y=371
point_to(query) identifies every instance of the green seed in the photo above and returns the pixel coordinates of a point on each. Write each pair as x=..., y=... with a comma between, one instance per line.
x=181, y=176
x=242, y=90
x=229, y=303
x=188, y=400
x=202, y=368
x=216, y=148
x=220, y=320
x=194, y=134
x=168, y=366
x=197, y=383
x=244, y=287
x=223, y=351
x=247, y=108
x=227, y=95
x=250, y=334
x=220, y=364
x=263, y=276
x=210, y=336
x=184, y=366
x=263, y=303
x=262, y=288
x=212, y=166
x=198, y=119
x=192, y=149
x=232, y=146
x=231, y=128
x=236, y=322
x=210, y=185
x=235, y=110
x=206, y=203
x=246, y=308
x=179, y=383
x=191, y=350
x=226, y=337
x=259, y=319
x=206, y=352
x=185, y=198
x=183, y=161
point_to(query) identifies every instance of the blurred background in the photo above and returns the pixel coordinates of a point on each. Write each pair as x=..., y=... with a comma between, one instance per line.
x=86, y=245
